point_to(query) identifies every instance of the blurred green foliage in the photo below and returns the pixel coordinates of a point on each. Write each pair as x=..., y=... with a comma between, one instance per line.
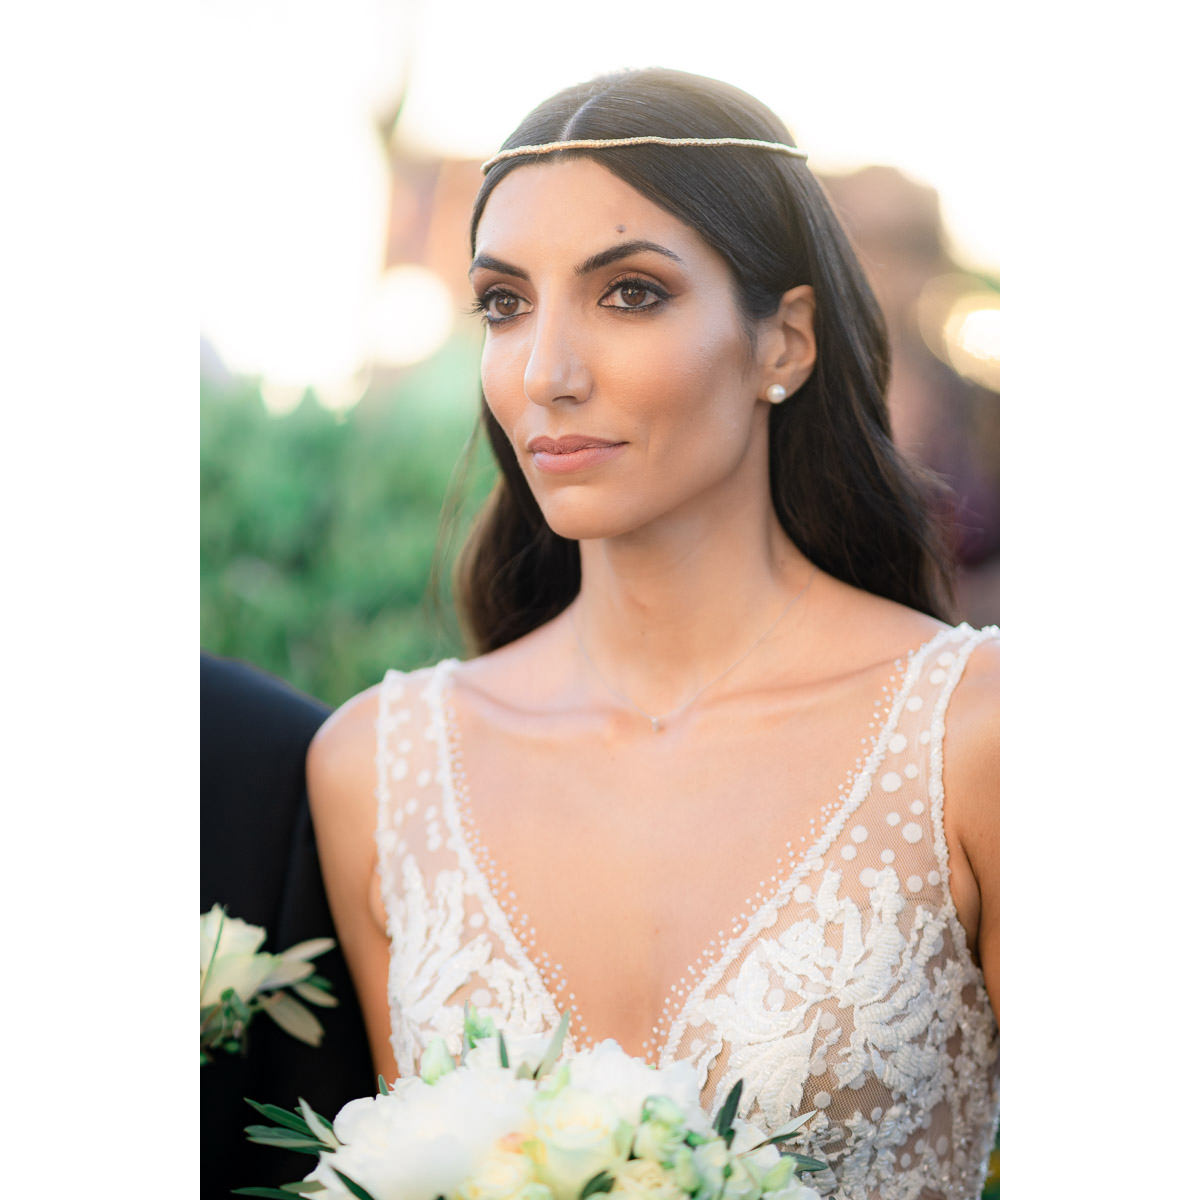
x=318, y=533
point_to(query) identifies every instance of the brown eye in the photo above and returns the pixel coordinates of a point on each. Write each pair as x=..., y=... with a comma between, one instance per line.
x=496, y=306
x=634, y=295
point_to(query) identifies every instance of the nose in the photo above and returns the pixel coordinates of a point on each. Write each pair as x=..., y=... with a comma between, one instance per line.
x=555, y=370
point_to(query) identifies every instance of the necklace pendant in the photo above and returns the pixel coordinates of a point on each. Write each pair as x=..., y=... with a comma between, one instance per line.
x=654, y=725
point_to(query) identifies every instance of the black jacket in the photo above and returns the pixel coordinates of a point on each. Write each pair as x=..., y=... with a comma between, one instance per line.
x=258, y=858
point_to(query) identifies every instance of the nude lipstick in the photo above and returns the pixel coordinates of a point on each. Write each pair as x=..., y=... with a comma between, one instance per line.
x=576, y=452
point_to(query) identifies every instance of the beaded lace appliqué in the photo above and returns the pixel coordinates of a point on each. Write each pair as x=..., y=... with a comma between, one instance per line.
x=846, y=987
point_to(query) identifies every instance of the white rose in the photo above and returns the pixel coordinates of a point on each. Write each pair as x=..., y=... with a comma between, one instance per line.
x=580, y=1133
x=657, y=1142
x=644, y=1180
x=237, y=937
x=245, y=973
x=709, y=1162
x=608, y=1071
x=236, y=965
x=742, y=1183
x=504, y=1173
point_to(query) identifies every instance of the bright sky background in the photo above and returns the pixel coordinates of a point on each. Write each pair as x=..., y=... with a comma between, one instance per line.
x=293, y=206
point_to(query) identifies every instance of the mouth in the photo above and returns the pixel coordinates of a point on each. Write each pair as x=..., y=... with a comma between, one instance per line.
x=576, y=452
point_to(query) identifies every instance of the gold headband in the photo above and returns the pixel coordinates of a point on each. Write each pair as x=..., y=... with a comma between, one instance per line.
x=606, y=143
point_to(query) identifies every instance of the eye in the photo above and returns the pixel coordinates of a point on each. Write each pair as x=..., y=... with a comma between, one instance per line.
x=498, y=305
x=634, y=295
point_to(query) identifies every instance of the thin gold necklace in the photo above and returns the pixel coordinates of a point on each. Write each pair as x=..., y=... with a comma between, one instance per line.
x=656, y=723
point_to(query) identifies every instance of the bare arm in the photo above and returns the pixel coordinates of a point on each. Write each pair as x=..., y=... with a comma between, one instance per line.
x=972, y=783
x=341, y=790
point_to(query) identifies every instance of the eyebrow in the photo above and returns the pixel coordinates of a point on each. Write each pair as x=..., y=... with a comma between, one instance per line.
x=604, y=258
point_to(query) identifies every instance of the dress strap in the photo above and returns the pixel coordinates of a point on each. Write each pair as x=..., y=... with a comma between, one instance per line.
x=945, y=676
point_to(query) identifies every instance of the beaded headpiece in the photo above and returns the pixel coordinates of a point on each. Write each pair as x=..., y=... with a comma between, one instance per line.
x=608, y=143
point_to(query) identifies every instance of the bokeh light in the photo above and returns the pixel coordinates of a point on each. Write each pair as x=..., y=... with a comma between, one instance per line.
x=411, y=317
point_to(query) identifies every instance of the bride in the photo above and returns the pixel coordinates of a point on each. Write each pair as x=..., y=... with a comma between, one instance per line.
x=721, y=779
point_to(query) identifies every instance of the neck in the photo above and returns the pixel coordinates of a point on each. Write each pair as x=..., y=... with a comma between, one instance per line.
x=664, y=611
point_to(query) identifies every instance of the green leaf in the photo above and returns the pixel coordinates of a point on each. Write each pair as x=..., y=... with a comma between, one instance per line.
x=323, y=1120
x=323, y=1132
x=555, y=1047
x=724, y=1122
x=788, y=1131
x=503, y=1051
x=383, y=1087
x=804, y=1163
x=306, y=1187
x=292, y=1017
x=265, y=1135
x=271, y=1192
x=279, y=1115
x=314, y=995
x=602, y=1181
x=235, y=1006
x=355, y=1189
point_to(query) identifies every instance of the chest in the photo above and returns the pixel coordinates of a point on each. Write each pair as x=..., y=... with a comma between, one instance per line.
x=802, y=942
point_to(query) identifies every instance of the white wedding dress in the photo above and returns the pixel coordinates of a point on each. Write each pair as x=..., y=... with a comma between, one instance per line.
x=850, y=990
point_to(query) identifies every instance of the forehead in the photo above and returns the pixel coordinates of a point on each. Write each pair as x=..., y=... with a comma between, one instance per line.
x=574, y=205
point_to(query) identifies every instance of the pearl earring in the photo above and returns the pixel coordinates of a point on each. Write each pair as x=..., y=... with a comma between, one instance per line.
x=776, y=393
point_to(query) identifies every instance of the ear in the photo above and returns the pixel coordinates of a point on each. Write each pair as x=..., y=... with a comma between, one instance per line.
x=787, y=345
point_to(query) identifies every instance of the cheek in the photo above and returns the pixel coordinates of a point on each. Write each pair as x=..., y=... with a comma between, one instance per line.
x=502, y=376
x=695, y=383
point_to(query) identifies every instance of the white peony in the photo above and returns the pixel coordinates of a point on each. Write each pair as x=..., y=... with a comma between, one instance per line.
x=424, y=1141
x=606, y=1070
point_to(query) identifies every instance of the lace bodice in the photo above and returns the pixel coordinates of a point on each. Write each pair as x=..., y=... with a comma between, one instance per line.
x=849, y=989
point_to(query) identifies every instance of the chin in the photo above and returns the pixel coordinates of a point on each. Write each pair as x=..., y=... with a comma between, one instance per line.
x=584, y=518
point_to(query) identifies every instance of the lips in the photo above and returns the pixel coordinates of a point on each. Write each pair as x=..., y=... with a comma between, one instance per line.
x=575, y=452
x=567, y=445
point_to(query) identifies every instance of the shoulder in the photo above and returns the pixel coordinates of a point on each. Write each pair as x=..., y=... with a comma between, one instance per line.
x=971, y=749
x=973, y=711
x=346, y=734
x=343, y=749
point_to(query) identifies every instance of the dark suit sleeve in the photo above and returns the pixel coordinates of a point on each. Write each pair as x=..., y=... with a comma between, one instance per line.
x=258, y=858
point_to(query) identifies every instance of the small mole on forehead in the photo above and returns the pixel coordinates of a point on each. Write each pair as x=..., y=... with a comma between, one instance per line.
x=620, y=228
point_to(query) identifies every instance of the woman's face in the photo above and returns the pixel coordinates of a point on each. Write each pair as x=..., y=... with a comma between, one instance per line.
x=615, y=360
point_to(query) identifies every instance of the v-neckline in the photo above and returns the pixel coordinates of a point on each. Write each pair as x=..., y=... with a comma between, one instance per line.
x=708, y=965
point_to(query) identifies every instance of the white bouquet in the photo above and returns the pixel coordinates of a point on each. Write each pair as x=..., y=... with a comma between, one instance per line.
x=236, y=981
x=510, y=1122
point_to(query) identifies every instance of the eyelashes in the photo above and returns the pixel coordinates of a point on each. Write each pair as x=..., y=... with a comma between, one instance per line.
x=495, y=295
x=631, y=293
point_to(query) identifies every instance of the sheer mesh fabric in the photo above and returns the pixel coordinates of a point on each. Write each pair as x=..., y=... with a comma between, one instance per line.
x=849, y=990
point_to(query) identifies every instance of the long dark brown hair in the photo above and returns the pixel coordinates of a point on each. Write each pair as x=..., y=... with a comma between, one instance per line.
x=841, y=490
